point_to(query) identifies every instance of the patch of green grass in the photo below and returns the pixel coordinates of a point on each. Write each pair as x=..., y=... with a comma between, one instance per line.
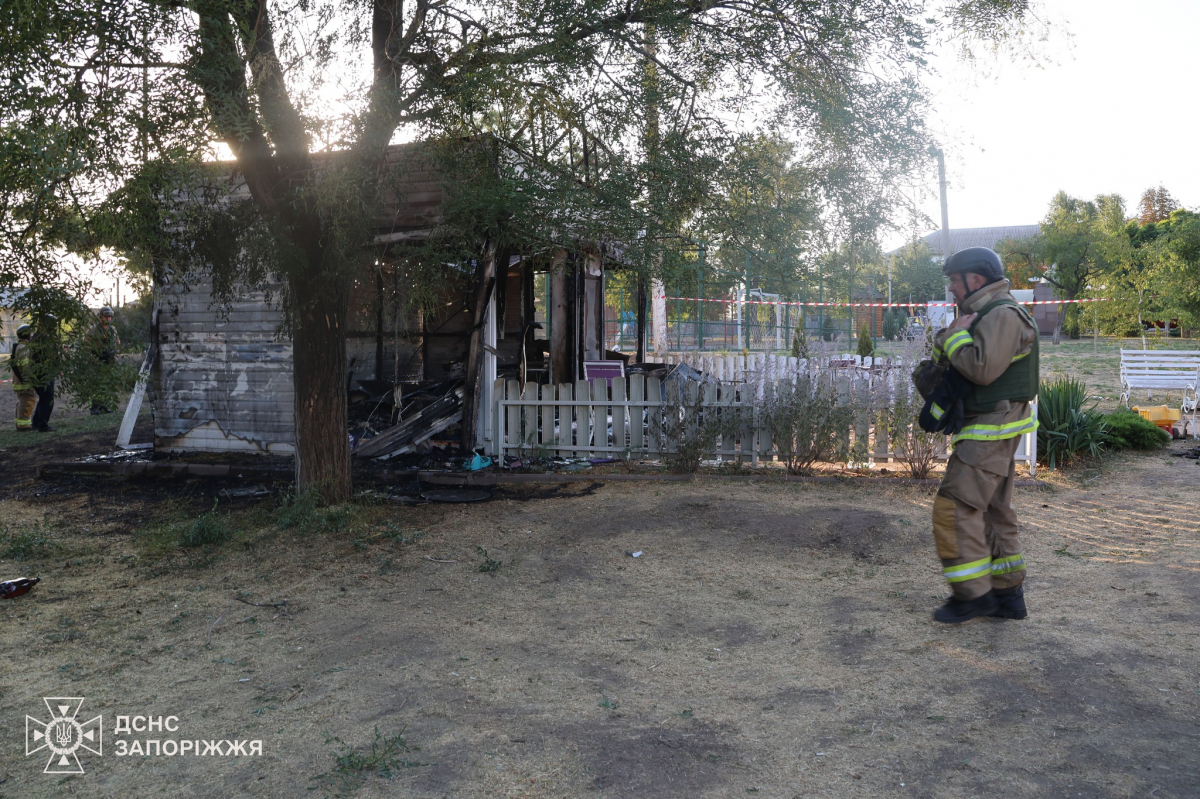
x=400, y=535
x=353, y=766
x=32, y=544
x=608, y=704
x=210, y=529
x=63, y=428
x=307, y=513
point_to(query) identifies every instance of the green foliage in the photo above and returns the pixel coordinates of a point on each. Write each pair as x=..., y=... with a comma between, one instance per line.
x=307, y=513
x=915, y=273
x=209, y=529
x=800, y=348
x=32, y=544
x=352, y=767
x=866, y=345
x=400, y=535
x=914, y=447
x=689, y=431
x=807, y=422
x=829, y=327
x=93, y=156
x=489, y=565
x=132, y=322
x=894, y=323
x=1068, y=428
x=1128, y=430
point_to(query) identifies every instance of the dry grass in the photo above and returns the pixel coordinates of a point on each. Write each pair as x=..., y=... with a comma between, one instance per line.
x=772, y=640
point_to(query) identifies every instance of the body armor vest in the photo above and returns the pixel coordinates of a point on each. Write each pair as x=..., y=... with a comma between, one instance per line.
x=1018, y=383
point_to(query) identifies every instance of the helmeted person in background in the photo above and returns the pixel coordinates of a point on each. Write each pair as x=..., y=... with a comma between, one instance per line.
x=103, y=343
x=46, y=361
x=20, y=365
x=994, y=346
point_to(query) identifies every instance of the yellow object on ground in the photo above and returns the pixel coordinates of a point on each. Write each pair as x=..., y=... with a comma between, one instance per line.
x=1161, y=415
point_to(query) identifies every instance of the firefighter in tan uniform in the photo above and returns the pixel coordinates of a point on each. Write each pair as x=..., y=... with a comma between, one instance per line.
x=994, y=346
x=21, y=366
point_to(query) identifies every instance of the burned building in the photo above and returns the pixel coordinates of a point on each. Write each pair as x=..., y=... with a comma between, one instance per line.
x=221, y=379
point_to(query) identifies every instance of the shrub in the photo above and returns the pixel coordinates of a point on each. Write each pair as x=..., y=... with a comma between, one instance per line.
x=800, y=342
x=1128, y=430
x=894, y=322
x=1066, y=428
x=866, y=346
x=807, y=422
x=307, y=512
x=209, y=529
x=915, y=448
x=689, y=431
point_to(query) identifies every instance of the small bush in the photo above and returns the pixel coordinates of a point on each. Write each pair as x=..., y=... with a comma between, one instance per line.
x=306, y=513
x=1128, y=430
x=807, y=422
x=866, y=346
x=914, y=447
x=353, y=766
x=209, y=529
x=894, y=322
x=1066, y=428
x=800, y=342
x=690, y=430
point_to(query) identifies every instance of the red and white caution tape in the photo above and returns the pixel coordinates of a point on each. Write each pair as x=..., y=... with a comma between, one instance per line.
x=869, y=304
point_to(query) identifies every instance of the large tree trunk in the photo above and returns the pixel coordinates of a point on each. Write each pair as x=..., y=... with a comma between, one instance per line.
x=319, y=382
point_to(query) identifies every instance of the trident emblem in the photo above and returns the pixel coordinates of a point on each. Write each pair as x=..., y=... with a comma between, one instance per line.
x=64, y=735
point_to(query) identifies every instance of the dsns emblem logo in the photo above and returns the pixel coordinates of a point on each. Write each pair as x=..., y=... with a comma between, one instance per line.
x=64, y=735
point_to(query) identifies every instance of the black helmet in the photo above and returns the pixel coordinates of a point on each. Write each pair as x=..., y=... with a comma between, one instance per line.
x=105, y=311
x=980, y=260
x=24, y=332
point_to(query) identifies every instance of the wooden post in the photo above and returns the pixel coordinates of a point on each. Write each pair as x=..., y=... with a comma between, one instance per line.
x=560, y=320
x=641, y=321
x=485, y=286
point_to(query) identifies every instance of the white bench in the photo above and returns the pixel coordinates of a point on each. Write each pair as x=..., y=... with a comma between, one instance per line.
x=1165, y=370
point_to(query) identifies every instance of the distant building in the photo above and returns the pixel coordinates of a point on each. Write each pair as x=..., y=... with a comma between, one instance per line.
x=962, y=238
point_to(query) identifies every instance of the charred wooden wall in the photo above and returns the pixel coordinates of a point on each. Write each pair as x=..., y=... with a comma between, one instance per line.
x=222, y=379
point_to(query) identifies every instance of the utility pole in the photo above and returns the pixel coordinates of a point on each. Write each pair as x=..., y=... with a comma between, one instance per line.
x=941, y=159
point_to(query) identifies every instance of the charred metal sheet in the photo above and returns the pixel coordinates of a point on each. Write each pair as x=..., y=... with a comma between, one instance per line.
x=222, y=381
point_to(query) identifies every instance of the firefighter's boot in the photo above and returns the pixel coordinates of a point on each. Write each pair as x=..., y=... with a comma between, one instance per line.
x=956, y=611
x=1010, y=603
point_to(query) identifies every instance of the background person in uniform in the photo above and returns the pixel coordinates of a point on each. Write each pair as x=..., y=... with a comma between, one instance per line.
x=46, y=358
x=19, y=363
x=994, y=346
x=103, y=344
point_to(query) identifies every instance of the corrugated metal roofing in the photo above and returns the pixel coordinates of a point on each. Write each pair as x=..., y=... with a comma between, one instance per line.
x=962, y=238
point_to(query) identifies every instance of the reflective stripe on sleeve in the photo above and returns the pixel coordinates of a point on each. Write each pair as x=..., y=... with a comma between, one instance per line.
x=937, y=411
x=957, y=340
x=1013, y=563
x=968, y=571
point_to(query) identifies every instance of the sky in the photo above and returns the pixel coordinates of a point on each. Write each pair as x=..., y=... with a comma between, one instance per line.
x=1111, y=108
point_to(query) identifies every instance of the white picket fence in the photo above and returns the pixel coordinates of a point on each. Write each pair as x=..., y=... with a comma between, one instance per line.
x=610, y=418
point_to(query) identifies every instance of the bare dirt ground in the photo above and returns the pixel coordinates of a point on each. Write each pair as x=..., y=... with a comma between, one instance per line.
x=773, y=639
